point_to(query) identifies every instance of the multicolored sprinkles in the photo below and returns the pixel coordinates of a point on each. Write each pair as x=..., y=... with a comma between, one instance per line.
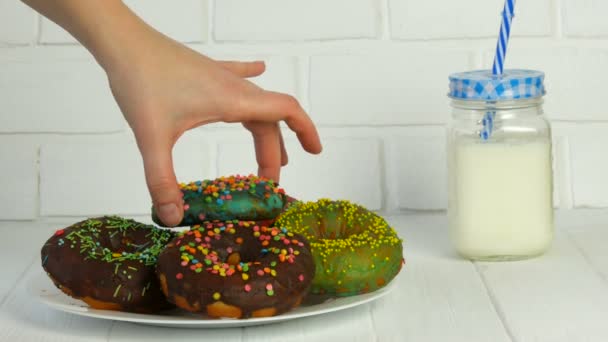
x=198, y=255
x=220, y=189
x=231, y=197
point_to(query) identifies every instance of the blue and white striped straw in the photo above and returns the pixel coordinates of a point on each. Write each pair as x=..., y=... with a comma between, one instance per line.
x=503, y=37
x=499, y=60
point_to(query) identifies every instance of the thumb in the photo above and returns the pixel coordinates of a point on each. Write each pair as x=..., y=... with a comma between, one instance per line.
x=244, y=69
x=162, y=184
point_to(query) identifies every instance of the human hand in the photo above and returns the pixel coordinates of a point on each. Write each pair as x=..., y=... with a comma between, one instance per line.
x=163, y=89
x=171, y=89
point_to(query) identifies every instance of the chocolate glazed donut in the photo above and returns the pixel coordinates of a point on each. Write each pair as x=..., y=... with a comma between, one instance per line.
x=236, y=269
x=108, y=262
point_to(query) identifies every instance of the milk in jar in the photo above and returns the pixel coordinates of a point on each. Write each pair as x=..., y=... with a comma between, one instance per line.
x=500, y=167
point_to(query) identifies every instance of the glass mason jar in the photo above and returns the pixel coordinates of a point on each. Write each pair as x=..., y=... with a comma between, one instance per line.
x=500, y=179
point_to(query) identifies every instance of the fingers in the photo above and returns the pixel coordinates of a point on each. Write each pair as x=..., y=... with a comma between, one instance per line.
x=269, y=106
x=244, y=69
x=267, y=141
x=162, y=183
x=284, y=157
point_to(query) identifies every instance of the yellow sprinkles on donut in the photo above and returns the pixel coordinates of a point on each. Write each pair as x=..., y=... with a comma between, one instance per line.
x=355, y=250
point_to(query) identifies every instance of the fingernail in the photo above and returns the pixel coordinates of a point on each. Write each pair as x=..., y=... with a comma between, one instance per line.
x=169, y=214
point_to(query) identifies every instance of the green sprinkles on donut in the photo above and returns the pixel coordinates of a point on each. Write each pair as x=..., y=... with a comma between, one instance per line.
x=355, y=250
x=108, y=262
x=87, y=236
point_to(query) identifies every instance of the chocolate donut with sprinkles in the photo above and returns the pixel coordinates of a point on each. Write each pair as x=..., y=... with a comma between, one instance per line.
x=236, y=269
x=109, y=263
x=230, y=198
x=355, y=250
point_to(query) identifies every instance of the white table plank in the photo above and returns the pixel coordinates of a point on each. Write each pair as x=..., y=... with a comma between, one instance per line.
x=20, y=245
x=562, y=296
x=23, y=318
x=129, y=332
x=351, y=325
x=581, y=218
x=557, y=297
x=440, y=297
x=346, y=325
x=591, y=242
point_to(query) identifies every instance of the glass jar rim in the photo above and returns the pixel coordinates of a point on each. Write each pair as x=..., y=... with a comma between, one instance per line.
x=497, y=105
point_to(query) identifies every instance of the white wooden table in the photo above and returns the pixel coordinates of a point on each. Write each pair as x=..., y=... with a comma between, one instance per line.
x=562, y=296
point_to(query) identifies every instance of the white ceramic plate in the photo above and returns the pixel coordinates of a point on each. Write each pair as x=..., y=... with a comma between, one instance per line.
x=42, y=288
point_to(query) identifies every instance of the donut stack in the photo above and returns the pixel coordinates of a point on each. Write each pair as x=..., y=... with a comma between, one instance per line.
x=232, y=262
x=249, y=251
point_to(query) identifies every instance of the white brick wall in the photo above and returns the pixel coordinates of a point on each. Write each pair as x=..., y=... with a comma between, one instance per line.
x=186, y=22
x=55, y=90
x=356, y=163
x=381, y=89
x=588, y=165
x=440, y=19
x=281, y=20
x=585, y=18
x=416, y=169
x=573, y=88
x=371, y=73
x=19, y=181
x=90, y=178
x=71, y=185
x=17, y=23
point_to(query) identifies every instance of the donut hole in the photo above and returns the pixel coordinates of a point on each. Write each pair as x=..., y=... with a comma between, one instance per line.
x=338, y=227
x=245, y=257
x=119, y=242
x=234, y=259
x=234, y=253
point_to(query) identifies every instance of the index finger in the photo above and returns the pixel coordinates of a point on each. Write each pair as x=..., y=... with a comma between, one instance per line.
x=277, y=106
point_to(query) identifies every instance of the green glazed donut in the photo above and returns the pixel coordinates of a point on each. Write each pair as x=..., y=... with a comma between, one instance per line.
x=355, y=250
x=230, y=198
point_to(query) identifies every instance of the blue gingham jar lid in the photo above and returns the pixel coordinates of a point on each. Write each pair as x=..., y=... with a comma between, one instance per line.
x=482, y=85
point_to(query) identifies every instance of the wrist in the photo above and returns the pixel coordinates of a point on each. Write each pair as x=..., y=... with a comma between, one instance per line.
x=115, y=35
x=104, y=27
